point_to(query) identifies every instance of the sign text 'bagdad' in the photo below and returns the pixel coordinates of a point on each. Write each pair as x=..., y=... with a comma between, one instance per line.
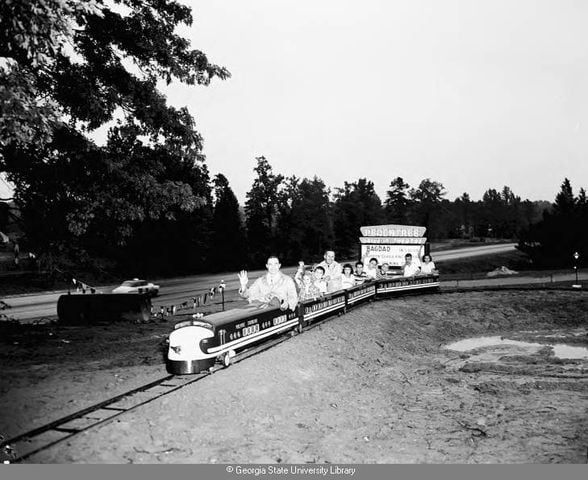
x=393, y=231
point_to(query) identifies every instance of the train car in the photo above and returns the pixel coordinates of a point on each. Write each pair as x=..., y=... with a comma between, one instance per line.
x=361, y=293
x=399, y=284
x=322, y=307
x=196, y=344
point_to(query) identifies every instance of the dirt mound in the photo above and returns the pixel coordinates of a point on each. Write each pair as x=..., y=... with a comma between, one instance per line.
x=373, y=386
x=501, y=271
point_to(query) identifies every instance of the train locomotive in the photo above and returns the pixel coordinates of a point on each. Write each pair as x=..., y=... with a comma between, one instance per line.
x=195, y=345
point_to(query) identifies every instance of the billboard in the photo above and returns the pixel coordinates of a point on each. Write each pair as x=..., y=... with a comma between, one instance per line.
x=390, y=243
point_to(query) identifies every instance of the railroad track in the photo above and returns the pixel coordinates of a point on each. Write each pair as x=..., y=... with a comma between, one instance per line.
x=27, y=444
x=23, y=446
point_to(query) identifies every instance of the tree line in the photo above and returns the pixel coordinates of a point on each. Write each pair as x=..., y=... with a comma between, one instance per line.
x=144, y=201
x=294, y=218
x=300, y=218
x=561, y=233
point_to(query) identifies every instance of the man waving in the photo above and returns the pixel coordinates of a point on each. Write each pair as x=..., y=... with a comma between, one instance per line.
x=274, y=288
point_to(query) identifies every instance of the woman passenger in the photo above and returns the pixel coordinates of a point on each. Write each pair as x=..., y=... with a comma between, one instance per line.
x=347, y=279
x=428, y=266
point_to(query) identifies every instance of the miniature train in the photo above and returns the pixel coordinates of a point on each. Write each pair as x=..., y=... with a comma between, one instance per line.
x=195, y=345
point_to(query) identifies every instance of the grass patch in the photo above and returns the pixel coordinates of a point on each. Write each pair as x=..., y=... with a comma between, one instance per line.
x=483, y=264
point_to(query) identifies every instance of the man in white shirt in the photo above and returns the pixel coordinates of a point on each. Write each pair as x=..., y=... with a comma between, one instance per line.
x=272, y=287
x=410, y=269
x=371, y=269
x=333, y=271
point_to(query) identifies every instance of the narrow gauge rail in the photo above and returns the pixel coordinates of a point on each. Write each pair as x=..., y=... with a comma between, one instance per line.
x=34, y=441
x=247, y=331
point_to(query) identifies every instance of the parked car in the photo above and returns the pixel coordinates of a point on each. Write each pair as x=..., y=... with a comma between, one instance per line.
x=137, y=286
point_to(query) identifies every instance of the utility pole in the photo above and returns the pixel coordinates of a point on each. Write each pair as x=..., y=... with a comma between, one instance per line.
x=576, y=257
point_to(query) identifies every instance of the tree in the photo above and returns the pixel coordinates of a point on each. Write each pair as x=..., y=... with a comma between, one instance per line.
x=425, y=201
x=309, y=229
x=581, y=201
x=4, y=215
x=356, y=205
x=31, y=36
x=288, y=193
x=229, y=243
x=261, y=208
x=397, y=204
x=464, y=211
x=564, y=200
x=560, y=233
x=76, y=197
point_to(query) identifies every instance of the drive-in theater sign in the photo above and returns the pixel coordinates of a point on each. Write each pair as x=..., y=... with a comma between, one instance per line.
x=390, y=243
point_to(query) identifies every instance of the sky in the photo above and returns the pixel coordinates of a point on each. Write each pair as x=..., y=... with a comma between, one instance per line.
x=475, y=94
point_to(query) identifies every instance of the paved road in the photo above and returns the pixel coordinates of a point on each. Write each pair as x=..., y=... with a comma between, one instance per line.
x=473, y=251
x=174, y=291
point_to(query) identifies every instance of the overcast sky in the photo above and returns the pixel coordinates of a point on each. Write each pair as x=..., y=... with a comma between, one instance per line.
x=475, y=94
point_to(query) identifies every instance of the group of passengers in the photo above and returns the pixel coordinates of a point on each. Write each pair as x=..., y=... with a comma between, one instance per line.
x=278, y=289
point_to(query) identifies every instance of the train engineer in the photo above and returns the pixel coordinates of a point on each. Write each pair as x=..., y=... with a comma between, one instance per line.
x=272, y=288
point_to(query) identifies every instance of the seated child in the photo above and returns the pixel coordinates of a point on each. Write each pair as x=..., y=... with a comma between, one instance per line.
x=360, y=275
x=347, y=279
x=319, y=280
x=299, y=274
x=383, y=271
x=308, y=290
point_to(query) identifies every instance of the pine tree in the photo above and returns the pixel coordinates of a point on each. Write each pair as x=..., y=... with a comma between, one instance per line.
x=311, y=229
x=261, y=208
x=425, y=202
x=397, y=204
x=356, y=205
x=229, y=246
x=564, y=200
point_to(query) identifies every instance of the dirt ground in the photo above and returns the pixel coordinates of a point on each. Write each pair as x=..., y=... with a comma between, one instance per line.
x=376, y=385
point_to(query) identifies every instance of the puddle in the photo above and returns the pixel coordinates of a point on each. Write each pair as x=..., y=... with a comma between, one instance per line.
x=560, y=351
x=567, y=351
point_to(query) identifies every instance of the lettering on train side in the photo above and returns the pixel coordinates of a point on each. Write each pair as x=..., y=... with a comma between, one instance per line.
x=324, y=304
x=250, y=330
x=363, y=291
x=280, y=319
